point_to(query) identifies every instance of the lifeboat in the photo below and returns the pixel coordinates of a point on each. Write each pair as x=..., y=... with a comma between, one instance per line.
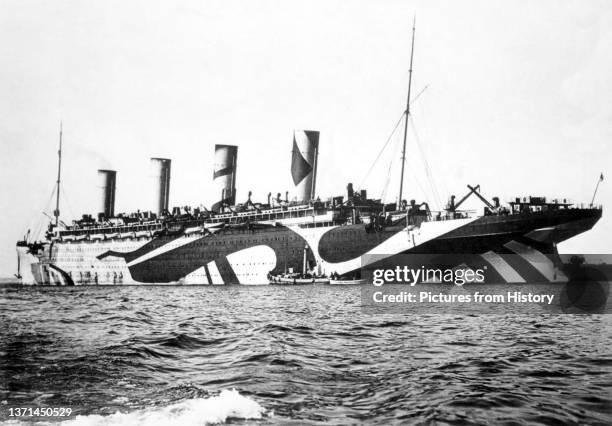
x=341, y=281
x=193, y=230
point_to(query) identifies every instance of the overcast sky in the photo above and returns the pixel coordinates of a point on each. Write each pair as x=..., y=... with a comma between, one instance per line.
x=517, y=99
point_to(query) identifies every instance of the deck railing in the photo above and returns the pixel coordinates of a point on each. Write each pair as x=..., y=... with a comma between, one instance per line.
x=305, y=211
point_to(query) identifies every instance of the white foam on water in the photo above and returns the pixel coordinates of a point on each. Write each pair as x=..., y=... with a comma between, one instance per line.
x=199, y=411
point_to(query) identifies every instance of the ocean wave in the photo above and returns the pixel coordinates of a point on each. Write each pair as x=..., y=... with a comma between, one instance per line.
x=229, y=404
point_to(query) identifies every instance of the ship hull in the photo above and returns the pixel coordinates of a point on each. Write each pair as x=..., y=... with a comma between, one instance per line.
x=247, y=256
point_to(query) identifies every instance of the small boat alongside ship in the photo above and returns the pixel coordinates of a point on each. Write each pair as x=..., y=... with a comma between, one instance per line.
x=297, y=279
x=356, y=281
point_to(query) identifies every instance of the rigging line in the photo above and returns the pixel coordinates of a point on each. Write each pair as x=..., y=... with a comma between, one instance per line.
x=34, y=219
x=427, y=167
x=439, y=185
x=412, y=175
x=382, y=149
x=385, y=187
x=40, y=222
x=389, y=172
x=70, y=210
x=419, y=94
x=416, y=180
x=434, y=191
x=419, y=185
x=399, y=121
x=48, y=205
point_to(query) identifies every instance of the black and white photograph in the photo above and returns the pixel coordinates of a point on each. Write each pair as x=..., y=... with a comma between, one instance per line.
x=327, y=212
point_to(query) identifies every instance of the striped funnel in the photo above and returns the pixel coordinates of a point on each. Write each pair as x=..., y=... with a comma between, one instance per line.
x=304, y=163
x=225, y=176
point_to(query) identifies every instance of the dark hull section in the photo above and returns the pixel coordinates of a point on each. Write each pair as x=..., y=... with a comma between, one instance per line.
x=546, y=227
x=175, y=264
x=524, y=245
x=347, y=242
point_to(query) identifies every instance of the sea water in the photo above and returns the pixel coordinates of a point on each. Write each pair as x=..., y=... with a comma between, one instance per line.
x=302, y=355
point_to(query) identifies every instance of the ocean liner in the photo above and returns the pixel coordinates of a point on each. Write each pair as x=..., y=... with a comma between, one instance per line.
x=249, y=242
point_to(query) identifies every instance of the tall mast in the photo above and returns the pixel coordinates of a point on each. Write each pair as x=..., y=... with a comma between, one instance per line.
x=56, y=212
x=407, y=113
